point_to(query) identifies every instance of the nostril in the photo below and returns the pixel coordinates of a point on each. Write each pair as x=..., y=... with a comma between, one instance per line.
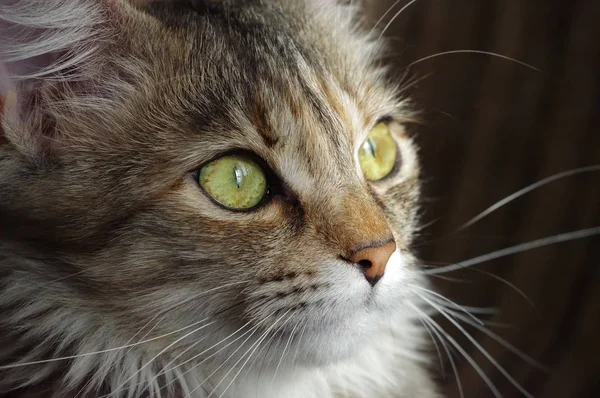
x=365, y=264
x=372, y=259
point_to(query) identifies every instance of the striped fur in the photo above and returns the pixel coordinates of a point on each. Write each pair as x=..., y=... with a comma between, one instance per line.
x=119, y=278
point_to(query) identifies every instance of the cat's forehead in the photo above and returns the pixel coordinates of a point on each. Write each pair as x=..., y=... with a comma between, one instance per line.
x=297, y=88
x=292, y=90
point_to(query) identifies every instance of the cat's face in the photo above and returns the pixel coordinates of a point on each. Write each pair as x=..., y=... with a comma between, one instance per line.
x=150, y=250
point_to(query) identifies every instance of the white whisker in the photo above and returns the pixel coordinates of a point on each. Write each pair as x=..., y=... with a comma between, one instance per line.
x=450, y=279
x=267, y=347
x=480, y=310
x=491, y=275
x=474, y=52
x=287, y=344
x=394, y=17
x=18, y=365
x=526, y=190
x=166, y=371
x=435, y=344
x=298, y=345
x=481, y=322
x=167, y=368
x=480, y=348
x=122, y=355
x=507, y=283
x=251, y=331
x=381, y=18
x=161, y=352
x=446, y=300
x=257, y=344
x=565, y=237
x=458, y=347
x=500, y=341
x=448, y=353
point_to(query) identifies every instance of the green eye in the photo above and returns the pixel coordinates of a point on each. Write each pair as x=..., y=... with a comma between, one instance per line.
x=236, y=182
x=377, y=154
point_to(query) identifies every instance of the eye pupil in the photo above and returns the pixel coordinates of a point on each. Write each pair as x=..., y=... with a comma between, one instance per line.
x=238, y=176
x=370, y=147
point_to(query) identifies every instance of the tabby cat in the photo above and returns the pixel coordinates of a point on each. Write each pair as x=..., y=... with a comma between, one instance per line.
x=210, y=198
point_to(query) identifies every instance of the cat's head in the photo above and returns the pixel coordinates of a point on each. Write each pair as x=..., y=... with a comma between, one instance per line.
x=192, y=169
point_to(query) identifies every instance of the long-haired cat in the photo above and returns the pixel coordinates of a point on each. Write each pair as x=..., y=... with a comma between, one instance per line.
x=204, y=198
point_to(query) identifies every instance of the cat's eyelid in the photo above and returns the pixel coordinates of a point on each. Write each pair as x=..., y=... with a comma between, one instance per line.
x=384, y=119
x=363, y=135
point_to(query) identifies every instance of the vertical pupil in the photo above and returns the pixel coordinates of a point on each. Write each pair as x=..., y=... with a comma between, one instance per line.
x=239, y=175
x=370, y=147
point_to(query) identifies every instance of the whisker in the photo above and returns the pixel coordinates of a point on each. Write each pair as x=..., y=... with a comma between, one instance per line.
x=448, y=353
x=166, y=368
x=474, y=52
x=501, y=341
x=469, y=359
x=490, y=274
x=507, y=283
x=267, y=347
x=565, y=237
x=394, y=17
x=410, y=83
x=175, y=368
x=68, y=276
x=287, y=344
x=122, y=355
x=140, y=342
x=480, y=348
x=382, y=17
x=480, y=310
x=526, y=190
x=431, y=242
x=209, y=348
x=447, y=300
x=251, y=330
x=451, y=279
x=483, y=323
x=295, y=357
x=435, y=344
x=161, y=352
x=18, y=365
x=257, y=344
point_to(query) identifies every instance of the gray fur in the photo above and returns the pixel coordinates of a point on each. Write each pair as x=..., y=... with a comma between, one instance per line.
x=115, y=268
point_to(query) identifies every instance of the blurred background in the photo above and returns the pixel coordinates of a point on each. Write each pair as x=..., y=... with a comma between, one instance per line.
x=491, y=127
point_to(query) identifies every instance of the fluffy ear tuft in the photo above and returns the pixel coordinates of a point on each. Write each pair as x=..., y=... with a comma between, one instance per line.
x=45, y=47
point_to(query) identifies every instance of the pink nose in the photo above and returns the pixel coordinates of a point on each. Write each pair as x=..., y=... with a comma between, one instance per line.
x=373, y=260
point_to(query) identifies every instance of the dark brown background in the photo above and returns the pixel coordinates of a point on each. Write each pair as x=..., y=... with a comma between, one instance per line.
x=493, y=127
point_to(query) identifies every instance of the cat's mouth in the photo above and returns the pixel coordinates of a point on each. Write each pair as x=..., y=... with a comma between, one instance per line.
x=336, y=291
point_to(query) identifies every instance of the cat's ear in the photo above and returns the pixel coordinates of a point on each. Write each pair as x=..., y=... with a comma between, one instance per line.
x=47, y=48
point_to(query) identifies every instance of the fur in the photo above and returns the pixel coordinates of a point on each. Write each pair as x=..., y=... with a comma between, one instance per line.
x=120, y=278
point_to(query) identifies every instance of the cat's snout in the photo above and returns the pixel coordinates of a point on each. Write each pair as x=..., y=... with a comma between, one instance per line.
x=372, y=259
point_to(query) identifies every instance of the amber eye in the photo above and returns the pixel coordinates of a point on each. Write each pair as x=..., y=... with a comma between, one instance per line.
x=236, y=182
x=377, y=154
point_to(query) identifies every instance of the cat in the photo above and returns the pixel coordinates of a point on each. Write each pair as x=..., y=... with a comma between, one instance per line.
x=205, y=199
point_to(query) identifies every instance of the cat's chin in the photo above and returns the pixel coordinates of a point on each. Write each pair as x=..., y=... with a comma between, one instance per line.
x=328, y=348
x=338, y=342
